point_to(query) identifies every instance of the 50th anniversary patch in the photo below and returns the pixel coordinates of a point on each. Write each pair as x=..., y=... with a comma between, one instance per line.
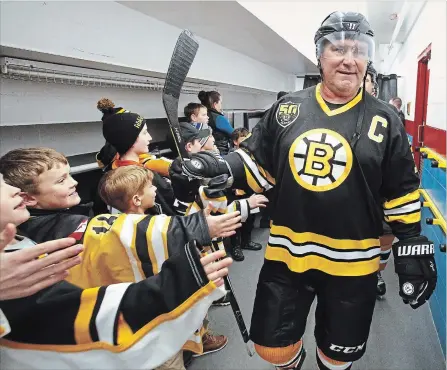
x=287, y=113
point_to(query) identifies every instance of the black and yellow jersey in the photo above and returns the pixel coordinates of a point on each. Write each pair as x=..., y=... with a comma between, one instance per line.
x=130, y=247
x=327, y=207
x=124, y=248
x=121, y=326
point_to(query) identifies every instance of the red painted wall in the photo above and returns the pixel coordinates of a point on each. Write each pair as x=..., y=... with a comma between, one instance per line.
x=434, y=138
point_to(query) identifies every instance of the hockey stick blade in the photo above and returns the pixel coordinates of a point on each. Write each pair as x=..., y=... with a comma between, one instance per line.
x=182, y=58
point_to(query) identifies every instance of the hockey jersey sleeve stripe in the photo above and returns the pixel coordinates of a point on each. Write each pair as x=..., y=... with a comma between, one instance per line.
x=219, y=205
x=165, y=325
x=397, y=202
x=82, y=321
x=164, y=236
x=107, y=316
x=252, y=182
x=124, y=331
x=335, y=244
x=141, y=247
x=148, y=245
x=410, y=218
x=244, y=209
x=266, y=175
x=127, y=236
x=404, y=209
x=252, y=167
x=302, y=264
x=181, y=207
x=159, y=239
x=193, y=208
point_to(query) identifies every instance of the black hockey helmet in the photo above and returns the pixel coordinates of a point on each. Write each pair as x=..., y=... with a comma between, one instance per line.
x=344, y=21
x=342, y=26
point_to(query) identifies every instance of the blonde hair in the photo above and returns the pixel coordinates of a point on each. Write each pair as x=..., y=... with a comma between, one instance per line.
x=21, y=167
x=117, y=187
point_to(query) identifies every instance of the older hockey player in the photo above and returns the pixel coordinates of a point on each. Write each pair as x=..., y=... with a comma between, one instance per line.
x=332, y=153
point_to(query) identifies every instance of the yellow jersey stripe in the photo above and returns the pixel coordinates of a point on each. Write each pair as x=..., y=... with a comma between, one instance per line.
x=124, y=331
x=308, y=237
x=252, y=182
x=82, y=321
x=152, y=325
x=164, y=236
x=254, y=169
x=407, y=198
x=313, y=262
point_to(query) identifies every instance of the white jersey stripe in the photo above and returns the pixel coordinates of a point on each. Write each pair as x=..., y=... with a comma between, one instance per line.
x=339, y=255
x=252, y=165
x=105, y=320
x=126, y=237
x=412, y=207
x=157, y=240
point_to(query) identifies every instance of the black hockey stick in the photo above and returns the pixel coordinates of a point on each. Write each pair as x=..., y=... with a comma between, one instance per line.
x=184, y=53
x=182, y=58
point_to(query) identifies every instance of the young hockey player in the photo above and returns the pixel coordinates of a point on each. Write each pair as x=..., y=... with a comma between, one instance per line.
x=332, y=153
x=121, y=326
x=129, y=190
x=215, y=192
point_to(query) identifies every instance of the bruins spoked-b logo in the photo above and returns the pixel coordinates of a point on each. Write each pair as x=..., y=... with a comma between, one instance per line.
x=320, y=159
x=287, y=113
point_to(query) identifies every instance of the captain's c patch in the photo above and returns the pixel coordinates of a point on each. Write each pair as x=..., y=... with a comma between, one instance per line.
x=287, y=113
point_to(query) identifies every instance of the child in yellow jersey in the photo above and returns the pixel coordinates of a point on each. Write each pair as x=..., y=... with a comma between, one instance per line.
x=130, y=190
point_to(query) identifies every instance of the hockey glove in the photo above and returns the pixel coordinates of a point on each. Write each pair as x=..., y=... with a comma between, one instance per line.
x=415, y=265
x=216, y=186
x=185, y=189
x=205, y=166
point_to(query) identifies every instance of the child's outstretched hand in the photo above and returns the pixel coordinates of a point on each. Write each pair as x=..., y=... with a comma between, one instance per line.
x=222, y=226
x=257, y=200
x=24, y=273
x=215, y=271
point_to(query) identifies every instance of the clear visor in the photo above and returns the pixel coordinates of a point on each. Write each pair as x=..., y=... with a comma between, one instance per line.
x=346, y=44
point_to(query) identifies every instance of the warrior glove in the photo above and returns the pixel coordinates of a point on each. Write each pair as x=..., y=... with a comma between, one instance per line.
x=185, y=189
x=415, y=265
x=205, y=166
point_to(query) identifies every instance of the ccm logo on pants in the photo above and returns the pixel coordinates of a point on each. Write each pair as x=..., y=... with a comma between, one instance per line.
x=336, y=348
